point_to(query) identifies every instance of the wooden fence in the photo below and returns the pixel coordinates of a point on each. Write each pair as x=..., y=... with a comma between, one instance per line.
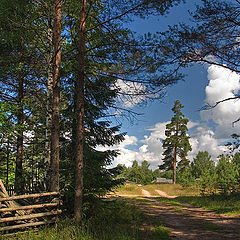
x=10, y=190
x=21, y=212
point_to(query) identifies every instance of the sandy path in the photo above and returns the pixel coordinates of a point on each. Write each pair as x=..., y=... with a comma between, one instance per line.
x=146, y=193
x=163, y=194
x=192, y=223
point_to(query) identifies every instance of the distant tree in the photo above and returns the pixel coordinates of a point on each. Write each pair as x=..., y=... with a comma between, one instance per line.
x=185, y=177
x=208, y=182
x=227, y=175
x=139, y=174
x=176, y=144
x=135, y=174
x=202, y=163
x=147, y=173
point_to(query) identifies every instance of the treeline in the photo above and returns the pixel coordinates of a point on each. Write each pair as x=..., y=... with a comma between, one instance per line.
x=140, y=174
x=211, y=178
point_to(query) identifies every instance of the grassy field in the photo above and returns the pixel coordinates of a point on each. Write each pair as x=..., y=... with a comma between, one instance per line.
x=170, y=189
x=111, y=220
x=229, y=205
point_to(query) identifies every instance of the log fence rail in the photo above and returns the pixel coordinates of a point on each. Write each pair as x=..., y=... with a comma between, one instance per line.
x=38, y=209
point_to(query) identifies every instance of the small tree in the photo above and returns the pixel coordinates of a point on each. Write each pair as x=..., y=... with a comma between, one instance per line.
x=185, y=177
x=208, y=181
x=176, y=144
x=227, y=175
x=202, y=163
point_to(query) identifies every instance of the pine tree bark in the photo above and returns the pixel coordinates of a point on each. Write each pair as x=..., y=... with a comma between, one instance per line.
x=79, y=91
x=49, y=101
x=54, y=163
x=19, y=180
x=175, y=165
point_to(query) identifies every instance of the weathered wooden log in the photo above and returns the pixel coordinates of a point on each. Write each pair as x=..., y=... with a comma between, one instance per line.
x=29, y=207
x=3, y=188
x=25, y=225
x=8, y=204
x=31, y=216
x=29, y=196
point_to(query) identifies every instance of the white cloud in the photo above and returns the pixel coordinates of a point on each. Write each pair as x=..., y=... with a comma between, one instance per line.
x=223, y=84
x=203, y=139
x=132, y=93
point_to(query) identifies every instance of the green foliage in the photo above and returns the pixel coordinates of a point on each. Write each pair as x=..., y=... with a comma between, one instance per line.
x=227, y=175
x=208, y=182
x=185, y=177
x=218, y=203
x=202, y=163
x=138, y=174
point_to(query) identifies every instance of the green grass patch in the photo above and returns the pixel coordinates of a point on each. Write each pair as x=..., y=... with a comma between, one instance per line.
x=109, y=220
x=229, y=205
x=176, y=189
x=129, y=189
x=170, y=202
x=161, y=233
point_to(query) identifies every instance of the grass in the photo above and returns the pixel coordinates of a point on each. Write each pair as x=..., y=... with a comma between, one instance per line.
x=161, y=232
x=129, y=189
x=171, y=202
x=229, y=205
x=111, y=220
x=170, y=189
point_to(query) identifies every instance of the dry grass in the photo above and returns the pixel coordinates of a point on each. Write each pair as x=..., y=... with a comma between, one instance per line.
x=129, y=189
x=170, y=189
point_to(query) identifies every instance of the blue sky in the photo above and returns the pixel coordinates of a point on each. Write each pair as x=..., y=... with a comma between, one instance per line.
x=203, y=83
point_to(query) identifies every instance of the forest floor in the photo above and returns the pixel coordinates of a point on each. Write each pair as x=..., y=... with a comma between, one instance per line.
x=183, y=220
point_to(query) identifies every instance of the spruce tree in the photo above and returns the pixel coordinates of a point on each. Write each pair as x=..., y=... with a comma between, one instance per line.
x=176, y=144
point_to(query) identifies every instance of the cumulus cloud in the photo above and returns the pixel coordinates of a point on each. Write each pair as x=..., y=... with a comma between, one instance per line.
x=132, y=93
x=223, y=84
x=203, y=139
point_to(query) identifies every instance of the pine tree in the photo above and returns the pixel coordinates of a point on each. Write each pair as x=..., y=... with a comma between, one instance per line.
x=176, y=144
x=202, y=163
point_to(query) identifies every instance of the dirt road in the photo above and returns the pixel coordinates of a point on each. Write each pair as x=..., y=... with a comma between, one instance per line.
x=188, y=222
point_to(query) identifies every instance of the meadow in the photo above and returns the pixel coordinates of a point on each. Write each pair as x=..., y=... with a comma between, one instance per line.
x=119, y=218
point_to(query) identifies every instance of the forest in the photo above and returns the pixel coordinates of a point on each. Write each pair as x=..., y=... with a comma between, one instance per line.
x=65, y=66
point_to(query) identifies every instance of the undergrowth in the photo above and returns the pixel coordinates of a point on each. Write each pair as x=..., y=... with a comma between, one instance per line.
x=108, y=220
x=229, y=205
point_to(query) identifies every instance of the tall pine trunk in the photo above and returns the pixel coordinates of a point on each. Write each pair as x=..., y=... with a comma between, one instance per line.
x=79, y=114
x=54, y=164
x=175, y=156
x=175, y=165
x=49, y=100
x=19, y=180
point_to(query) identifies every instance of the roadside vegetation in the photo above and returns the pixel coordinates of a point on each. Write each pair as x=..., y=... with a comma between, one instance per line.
x=115, y=219
x=219, y=203
x=222, y=204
